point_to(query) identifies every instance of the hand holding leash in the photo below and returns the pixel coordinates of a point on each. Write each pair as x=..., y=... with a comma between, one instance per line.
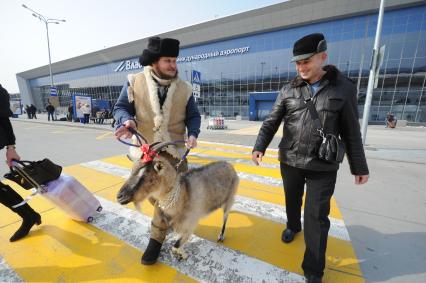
x=123, y=131
x=191, y=142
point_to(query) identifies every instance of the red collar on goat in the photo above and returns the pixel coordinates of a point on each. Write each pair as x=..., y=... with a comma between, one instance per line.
x=147, y=153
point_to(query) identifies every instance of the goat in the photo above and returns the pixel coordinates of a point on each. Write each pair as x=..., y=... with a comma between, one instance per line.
x=183, y=197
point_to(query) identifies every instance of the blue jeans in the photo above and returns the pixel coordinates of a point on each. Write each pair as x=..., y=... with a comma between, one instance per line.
x=50, y=114
x=86, y=118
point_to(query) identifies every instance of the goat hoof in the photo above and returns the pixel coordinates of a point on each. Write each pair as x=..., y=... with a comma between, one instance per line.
x=180, y=254
x=183, y=256
x=174, y=250
x=221, y=238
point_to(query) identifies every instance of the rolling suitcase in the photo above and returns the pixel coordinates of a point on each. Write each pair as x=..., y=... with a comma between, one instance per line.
x=72, y=197
x=66, y=193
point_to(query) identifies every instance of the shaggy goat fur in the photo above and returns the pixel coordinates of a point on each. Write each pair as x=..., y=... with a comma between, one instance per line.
x=184, y=198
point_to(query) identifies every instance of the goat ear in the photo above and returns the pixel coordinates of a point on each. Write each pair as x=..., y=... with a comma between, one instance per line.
x=158, y=166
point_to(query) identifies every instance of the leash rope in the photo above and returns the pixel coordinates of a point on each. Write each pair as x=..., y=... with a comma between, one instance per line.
x=147, y=153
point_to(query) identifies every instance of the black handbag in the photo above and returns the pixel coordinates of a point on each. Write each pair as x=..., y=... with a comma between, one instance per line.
x=30, y=174
x=332, y=148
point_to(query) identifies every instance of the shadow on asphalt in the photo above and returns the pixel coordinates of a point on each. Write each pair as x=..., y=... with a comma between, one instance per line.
x=390, y=255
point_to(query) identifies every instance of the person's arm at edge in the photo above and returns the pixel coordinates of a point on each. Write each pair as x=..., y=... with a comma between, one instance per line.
x=123, y=109
x=351, y=135
x=192, y=122
x=269, y=127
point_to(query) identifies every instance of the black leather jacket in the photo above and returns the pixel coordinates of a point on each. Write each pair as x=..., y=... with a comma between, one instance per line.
x=336, y=104
x=6, y=132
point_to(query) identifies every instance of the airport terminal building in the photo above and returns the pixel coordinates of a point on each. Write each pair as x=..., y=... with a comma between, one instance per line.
x=242, y=60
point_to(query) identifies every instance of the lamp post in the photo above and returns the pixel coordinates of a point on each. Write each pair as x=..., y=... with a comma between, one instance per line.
x=374, y=71
x=46, y=21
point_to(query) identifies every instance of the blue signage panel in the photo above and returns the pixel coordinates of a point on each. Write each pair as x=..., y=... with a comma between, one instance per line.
x=196, y=83
x=196, y=77
x=53, y=91
x=78, y=101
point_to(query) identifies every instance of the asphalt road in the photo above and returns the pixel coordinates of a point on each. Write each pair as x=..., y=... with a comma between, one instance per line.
x=385, y=218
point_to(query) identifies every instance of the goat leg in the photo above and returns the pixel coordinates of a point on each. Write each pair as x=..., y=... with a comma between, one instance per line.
x=226, y=210
x=177, y=243
x=222, y=233
x=177, y=248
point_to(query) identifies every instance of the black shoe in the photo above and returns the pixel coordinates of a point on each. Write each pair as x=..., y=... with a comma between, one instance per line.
x=288, y=235
x=27, y=223
x=151, y=253
x=312, y=279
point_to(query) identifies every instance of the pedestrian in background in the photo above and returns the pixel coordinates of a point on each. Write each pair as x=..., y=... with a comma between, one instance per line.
x=28, y=111
x=390, y=120
x=33, y=111
x=50, y=110
x=70, y=112
x=334, y=98
x=86, y=110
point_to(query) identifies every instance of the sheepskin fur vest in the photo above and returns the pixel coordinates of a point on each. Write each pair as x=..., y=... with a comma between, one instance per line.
x=156, y=123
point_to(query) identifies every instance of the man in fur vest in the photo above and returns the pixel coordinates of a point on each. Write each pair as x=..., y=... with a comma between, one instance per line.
x=334, y=98
x=161, y=107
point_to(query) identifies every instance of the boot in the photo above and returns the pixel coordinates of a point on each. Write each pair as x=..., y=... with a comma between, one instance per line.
x=30, y=217
x=8, y=197
x=152, y=252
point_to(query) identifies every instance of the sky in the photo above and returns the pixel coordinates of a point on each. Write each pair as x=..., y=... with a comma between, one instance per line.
x=93, y=25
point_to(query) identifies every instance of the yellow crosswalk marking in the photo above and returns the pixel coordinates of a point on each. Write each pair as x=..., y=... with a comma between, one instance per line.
x=37, y=127
x=104, y=136
x=251, y=169
x=247, y=188
x=68, y=251
x=252, y=131
x=64, y=250
x=234, y=148
x=275, y=195
x=251, y=235
x=246, y=156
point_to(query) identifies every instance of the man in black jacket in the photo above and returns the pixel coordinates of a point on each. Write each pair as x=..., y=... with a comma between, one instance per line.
x=50, y=110
x=335, y=99
x=33, y=111
x=8, y=197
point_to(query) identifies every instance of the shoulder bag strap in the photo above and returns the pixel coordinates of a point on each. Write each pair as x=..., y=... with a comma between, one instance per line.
x=312, y=111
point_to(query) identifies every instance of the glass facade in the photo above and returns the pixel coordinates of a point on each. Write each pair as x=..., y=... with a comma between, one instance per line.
x=231, y=69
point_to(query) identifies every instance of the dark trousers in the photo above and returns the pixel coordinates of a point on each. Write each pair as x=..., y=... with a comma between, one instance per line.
x=319, y=190
x=86, y=118
x=50, y=114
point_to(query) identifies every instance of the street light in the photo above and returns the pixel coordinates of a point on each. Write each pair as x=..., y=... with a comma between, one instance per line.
x=46, y=21
x=374, y=72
